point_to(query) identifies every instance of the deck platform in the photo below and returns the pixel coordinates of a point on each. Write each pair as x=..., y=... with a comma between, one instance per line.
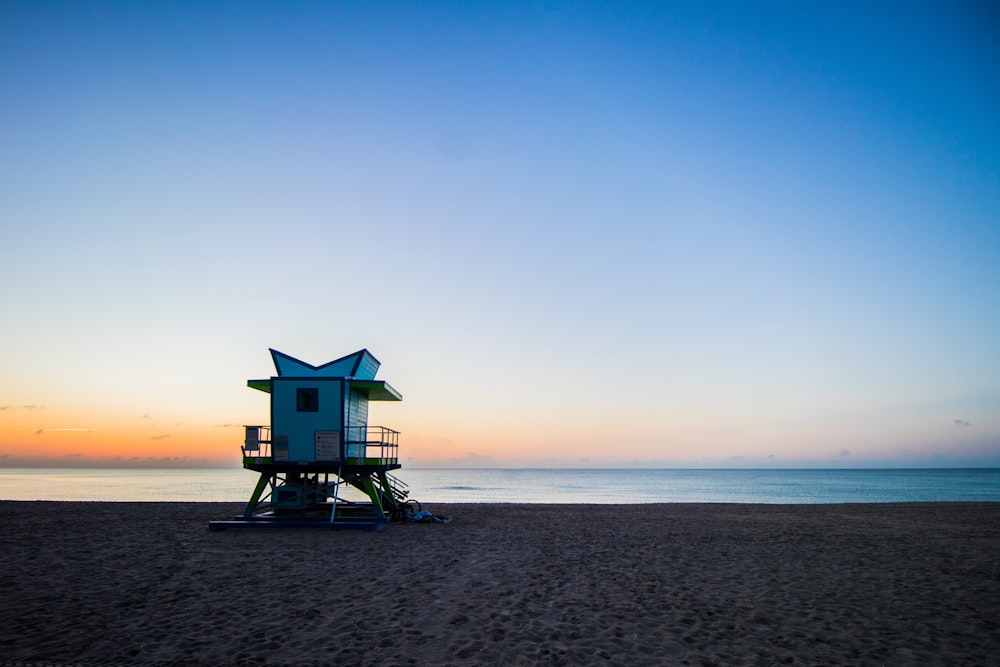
x=352, y=523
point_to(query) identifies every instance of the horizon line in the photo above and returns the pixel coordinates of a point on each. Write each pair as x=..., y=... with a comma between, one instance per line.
x=23, y=464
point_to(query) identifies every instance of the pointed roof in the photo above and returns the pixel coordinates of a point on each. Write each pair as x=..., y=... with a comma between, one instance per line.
x=360, y=365
x=358, y=369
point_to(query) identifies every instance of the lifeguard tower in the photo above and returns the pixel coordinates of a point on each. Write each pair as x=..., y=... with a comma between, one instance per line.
x=319, y=450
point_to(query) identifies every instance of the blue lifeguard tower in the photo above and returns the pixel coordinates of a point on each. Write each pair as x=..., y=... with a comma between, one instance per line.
x=319, y=450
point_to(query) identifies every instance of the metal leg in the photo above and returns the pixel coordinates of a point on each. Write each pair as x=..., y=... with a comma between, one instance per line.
x=258, y=490
x=386, y=492
x=336, y=495
x=368, y=486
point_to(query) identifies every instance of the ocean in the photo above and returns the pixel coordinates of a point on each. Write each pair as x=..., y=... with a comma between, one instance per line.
x=534, y=485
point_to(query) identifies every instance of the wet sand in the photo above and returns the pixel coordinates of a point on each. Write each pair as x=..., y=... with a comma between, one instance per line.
x=148, y=584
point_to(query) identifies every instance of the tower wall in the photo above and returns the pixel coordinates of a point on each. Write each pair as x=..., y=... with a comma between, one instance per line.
x=299, y=408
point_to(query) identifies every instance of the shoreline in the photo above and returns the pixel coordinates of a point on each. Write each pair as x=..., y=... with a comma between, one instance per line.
x=504, y=583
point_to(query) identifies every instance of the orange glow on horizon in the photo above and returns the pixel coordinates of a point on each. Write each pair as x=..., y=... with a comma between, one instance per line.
x=27, y=435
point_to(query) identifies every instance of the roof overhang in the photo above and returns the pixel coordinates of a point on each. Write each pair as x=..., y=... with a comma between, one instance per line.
x=377, y=390
x=260, y=385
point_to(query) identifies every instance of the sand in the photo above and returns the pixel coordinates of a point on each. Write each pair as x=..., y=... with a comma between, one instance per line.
x=148, y=584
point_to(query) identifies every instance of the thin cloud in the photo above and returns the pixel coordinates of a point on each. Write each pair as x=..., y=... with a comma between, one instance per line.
x=468, y=460
x=160, y=437
x=845, y=452
x=960, y=422
x=474, y=457
x=47, y=430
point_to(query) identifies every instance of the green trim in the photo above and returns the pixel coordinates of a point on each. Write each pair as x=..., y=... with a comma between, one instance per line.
x=260, y=385
x=249, y=461
x=369, y=461
x=377, y=390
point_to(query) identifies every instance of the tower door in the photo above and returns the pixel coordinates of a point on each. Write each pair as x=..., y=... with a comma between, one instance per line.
x=357, y=424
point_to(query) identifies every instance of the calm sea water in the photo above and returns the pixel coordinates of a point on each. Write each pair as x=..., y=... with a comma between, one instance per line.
x=535, y=486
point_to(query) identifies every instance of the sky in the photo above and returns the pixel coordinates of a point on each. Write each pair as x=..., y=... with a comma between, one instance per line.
x=574, y=233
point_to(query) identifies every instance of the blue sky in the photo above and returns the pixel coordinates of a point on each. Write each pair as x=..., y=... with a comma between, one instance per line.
x=574, y=233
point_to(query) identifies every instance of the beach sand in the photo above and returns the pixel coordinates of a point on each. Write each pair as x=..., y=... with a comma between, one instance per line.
x=147, y=583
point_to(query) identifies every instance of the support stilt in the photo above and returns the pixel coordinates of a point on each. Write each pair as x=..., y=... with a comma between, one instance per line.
x=258, y=490
x=336, y=492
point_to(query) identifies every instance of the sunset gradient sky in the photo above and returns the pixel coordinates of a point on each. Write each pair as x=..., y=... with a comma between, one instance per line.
x=577, y=234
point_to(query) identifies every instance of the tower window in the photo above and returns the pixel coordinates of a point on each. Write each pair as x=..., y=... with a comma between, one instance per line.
x=307, y=399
